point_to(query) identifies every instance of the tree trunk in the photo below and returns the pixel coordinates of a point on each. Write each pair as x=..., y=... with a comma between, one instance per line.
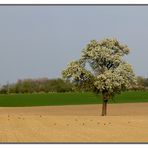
x=104, y=106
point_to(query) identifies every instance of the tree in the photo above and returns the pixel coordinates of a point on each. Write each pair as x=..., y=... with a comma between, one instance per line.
x=140, y=82
x=146, y=82
x=101, y=69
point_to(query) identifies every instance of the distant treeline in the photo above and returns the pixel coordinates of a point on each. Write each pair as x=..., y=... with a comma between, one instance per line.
x=37, y=86
x=142, y=83
x=45, y=85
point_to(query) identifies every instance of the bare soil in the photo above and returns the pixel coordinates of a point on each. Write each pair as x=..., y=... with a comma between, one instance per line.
x=77, y=123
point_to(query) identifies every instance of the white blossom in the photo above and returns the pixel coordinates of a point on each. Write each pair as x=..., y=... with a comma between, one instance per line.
x=110, y=73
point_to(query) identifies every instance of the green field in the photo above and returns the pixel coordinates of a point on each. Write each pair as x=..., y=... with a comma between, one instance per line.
x=17, y=100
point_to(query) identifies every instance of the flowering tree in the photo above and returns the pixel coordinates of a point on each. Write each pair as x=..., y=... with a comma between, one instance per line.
x=107, y=72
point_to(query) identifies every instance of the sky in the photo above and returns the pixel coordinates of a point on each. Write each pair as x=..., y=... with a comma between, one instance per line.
x=39, y=41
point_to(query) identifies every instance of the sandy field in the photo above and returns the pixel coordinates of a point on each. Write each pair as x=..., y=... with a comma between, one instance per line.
x=77, y=123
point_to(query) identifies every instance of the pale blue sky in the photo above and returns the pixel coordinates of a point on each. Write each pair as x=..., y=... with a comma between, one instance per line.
x=39, y=41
